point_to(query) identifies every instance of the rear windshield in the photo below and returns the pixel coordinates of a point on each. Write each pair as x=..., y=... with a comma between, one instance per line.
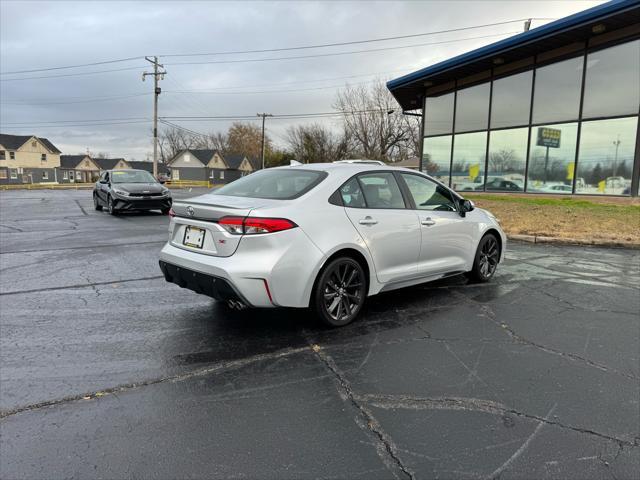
x=276, y=184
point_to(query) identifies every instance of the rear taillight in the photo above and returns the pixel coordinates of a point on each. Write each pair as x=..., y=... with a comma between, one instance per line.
x=254, y=225
x=232, y=224
x=172, y=213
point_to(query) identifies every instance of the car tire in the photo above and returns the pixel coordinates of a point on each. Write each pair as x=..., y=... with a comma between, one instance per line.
x=96, y=203
x=486, y=260
x=110, y=208
x=339, y=292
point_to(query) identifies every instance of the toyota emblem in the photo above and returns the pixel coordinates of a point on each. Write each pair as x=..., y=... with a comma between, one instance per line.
x=190, y=211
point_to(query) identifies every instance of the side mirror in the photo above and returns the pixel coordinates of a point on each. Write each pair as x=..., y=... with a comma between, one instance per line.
x=103, y=181
x=162, y=182
x=465, y=206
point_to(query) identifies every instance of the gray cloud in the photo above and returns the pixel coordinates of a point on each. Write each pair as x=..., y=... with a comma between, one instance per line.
x=47, y=34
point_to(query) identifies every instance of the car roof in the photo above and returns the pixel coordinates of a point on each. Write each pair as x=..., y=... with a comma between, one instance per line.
x=344, y=167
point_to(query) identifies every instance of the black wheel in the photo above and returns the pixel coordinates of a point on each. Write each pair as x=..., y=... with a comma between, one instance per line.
x=96, y=202
x=110, y=209
x=487, y=258
x=340, y=292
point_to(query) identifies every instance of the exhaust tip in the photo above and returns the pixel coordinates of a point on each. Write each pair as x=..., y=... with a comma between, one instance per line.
x=236, y=305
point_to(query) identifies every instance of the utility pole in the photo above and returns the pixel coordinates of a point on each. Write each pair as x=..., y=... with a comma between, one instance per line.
x=263, y=115
x=615, y=160
x=156, y=92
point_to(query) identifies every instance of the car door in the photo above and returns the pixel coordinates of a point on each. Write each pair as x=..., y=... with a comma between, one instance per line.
x=103, y=187
x=375, y=205
x=446, y=236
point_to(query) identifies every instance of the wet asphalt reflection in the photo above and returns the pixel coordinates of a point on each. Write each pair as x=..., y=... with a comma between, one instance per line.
x=108, y=371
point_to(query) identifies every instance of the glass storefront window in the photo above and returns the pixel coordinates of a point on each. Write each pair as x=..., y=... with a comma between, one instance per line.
x=506, y=162
x=436, y=157
x=552, y=158
x=612, y=84
x=511, y=100
x=469, y=153
x=556, y=96
x=472, y=108
x=605, y=158
x=438, y=117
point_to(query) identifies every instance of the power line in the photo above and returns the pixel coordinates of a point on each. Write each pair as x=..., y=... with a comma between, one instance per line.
x=171, y=124
x=335, y=54
x=274, y=116
x=77, y=121
x=77, y=74
x=105, y=62
x=270, y=59
x=86, y=100
x=289, y=90
x=79, y=124
x=91, y=99
x=354, y=42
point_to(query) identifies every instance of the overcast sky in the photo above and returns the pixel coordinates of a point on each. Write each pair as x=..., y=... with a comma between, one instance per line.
x=35, y=35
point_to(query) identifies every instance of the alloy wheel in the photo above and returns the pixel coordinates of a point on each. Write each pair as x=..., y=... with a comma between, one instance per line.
x=343, y=291
x=489, y=256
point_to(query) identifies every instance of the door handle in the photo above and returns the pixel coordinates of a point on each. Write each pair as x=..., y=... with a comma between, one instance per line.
x=367, y=221
x=428, y=222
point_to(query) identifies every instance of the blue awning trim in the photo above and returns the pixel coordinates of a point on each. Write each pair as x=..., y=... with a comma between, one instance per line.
x=545, y=31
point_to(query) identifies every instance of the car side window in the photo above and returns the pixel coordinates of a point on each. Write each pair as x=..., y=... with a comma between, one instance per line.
x=352, y=194
x=381, y=190
x=428, y=195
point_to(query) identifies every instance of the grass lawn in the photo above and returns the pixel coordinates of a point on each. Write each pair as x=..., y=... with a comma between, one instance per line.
x=571, y=218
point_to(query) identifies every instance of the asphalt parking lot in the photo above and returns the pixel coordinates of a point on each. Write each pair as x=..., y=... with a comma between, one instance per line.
x=107, y=371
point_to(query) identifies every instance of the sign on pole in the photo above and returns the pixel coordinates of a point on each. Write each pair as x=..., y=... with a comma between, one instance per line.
x=548, y=137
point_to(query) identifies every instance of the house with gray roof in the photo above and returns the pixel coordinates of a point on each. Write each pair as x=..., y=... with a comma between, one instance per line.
x=27, y=159
x=77, y=169
x=111, y=163
x=209, y=165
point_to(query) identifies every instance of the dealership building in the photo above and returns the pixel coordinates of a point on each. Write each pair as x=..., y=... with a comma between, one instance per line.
x=551, y=110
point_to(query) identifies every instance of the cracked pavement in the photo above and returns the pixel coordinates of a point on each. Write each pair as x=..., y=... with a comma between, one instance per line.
x=107, y=371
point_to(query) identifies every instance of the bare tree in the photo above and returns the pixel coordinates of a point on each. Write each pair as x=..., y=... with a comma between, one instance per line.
x=219, y=141
x=173, y=140
x=373, y=119
x=246, y=139
x=504, y=160
x=316, y=144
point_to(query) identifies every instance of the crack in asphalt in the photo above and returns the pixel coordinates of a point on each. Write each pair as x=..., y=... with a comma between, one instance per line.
x=82, y=285
x=11, y=228
x=388, y=451
x=84, y=212
x=408, y=402
x=108, y=245
x=222, y=366
x=488, y=313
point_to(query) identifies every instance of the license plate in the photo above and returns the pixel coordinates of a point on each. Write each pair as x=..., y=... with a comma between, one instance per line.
x=193, y=237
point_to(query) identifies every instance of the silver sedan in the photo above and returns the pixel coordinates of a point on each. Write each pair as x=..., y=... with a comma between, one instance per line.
x=327, y=236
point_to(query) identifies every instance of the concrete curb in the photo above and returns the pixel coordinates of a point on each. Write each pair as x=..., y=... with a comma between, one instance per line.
x=573, y=241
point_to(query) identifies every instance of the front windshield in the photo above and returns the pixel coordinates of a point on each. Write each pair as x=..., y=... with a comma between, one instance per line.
x=133, y=176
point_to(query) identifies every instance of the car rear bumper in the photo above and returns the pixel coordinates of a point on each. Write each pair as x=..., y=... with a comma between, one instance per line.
x=142, y=204
x=273, y=270
x=203, y=283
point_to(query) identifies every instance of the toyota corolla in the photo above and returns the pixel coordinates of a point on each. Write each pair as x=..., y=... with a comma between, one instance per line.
x=327, y=236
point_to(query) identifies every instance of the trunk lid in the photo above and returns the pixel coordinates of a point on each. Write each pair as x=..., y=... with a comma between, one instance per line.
x=196, y=220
